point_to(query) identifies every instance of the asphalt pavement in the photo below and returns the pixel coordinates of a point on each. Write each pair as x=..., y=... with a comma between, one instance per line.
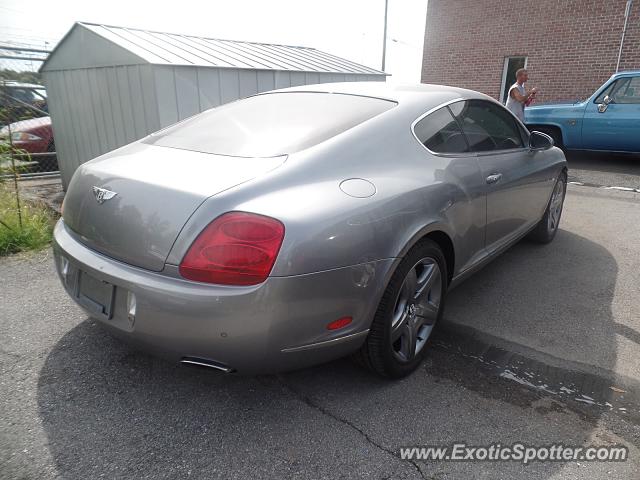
x=540, y=347
x=600, y=169
x=575, y=300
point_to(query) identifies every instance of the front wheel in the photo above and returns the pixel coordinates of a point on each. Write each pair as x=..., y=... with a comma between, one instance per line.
x=547, y=228
x=408, y=312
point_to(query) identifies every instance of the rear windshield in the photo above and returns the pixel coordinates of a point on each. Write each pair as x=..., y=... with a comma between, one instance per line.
x=271, y=124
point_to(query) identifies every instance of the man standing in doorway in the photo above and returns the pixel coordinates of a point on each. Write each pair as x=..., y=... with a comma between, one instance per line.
x=518, y=97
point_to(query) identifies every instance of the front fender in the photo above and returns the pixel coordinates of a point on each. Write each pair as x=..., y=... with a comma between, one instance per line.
x=567, y=118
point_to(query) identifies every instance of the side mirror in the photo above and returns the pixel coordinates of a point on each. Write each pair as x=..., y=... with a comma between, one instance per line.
x=540, y=141
x=605, y=103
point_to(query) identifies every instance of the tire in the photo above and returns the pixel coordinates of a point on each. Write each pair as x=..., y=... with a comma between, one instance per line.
x=409, y=310
x=546, y=229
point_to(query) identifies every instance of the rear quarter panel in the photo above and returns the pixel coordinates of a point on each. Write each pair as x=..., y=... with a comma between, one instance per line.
x=416, y=192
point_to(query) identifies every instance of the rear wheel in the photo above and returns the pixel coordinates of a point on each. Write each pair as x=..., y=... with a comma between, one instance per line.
x=547, y=228
x=408, y=312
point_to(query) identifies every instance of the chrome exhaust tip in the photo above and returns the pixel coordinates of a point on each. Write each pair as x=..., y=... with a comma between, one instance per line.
x=205, y=362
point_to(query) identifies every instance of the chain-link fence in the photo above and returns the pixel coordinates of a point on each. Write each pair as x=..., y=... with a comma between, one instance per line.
x=27, y=146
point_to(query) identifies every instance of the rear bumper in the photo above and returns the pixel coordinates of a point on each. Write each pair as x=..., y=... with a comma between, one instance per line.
x=275, y=326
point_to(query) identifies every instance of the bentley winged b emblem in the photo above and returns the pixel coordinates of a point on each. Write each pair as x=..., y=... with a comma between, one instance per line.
x=102, y=194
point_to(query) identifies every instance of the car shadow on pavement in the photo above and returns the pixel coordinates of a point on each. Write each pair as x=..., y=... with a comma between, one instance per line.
x=604, y=162
x=628, y=332
x=549, y=299
x=109, y=410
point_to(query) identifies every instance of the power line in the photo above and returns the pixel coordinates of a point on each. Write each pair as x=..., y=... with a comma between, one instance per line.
x=24, y=49
x=384, y=35
x=23, y=33
x=21, y=12
x=34, y=45
x=10, y=39
x=11, y=26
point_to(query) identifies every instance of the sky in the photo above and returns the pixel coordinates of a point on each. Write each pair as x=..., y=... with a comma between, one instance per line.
x=351, y=29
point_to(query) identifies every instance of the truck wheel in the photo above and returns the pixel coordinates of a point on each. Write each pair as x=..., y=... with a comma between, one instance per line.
x=554, y=133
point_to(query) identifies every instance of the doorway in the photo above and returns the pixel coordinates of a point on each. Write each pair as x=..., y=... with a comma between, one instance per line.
x=511, y=65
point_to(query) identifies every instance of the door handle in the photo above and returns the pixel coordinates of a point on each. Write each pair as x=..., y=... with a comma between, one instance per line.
x=494, y=177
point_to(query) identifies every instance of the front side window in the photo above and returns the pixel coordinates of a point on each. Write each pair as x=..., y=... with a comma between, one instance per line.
x=623, y=90
x=440, y=133
x=605, y=92
x=628, y=92
x=487, y=126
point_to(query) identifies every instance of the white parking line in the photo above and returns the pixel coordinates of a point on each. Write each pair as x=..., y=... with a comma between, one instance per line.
x=605, y=187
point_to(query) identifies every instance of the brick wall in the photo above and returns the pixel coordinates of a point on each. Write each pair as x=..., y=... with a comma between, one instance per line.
x=572, y=45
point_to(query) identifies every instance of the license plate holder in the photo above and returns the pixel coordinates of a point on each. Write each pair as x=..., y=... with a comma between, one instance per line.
x=95, y=295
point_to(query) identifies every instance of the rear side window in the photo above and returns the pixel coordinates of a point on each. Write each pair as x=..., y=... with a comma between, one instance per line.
x=487, y=126
x=440, y=133
x=271, y=124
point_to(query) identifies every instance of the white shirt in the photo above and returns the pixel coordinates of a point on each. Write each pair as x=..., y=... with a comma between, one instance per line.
x=513, y=105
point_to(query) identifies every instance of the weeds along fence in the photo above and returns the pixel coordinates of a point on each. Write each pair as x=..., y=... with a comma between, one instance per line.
x=27, y=146
x=27, y=149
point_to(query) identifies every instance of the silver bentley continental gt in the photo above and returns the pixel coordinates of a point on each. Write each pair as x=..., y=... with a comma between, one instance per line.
x=302, y=225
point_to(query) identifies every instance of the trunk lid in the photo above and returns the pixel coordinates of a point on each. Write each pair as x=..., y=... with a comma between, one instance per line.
x=131, y=204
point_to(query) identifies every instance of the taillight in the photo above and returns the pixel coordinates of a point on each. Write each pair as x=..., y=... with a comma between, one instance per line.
x=237, y=248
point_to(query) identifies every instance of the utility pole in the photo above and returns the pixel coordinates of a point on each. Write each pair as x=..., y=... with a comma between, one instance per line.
x=384, y=38
x=627, y=12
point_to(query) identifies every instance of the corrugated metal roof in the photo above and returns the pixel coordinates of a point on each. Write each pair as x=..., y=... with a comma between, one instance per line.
x=175, y=49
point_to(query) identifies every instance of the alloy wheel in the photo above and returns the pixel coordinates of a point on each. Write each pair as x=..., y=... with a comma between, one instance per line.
x=416, y=309
x=555, y=206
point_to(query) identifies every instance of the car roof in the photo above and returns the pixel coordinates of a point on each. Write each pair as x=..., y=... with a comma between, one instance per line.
x=626, y=73
x=29, y=124
x=20, y=85
x=400, y=93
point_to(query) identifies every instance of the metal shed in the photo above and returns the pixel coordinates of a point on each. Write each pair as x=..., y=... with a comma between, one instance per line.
x=108, y=86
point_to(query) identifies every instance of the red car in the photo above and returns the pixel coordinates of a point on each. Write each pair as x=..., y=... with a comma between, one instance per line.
x=36, y=137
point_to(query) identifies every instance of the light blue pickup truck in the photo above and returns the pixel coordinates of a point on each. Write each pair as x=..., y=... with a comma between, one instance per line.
x=609, y=120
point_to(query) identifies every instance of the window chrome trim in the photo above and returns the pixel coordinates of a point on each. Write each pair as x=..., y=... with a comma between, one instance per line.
x=465, y=154
x=429, y=112
x=501, y=152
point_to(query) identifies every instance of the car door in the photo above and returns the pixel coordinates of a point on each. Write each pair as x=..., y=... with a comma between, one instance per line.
x=516, y=187
x=614, y=126
x=459, y=176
